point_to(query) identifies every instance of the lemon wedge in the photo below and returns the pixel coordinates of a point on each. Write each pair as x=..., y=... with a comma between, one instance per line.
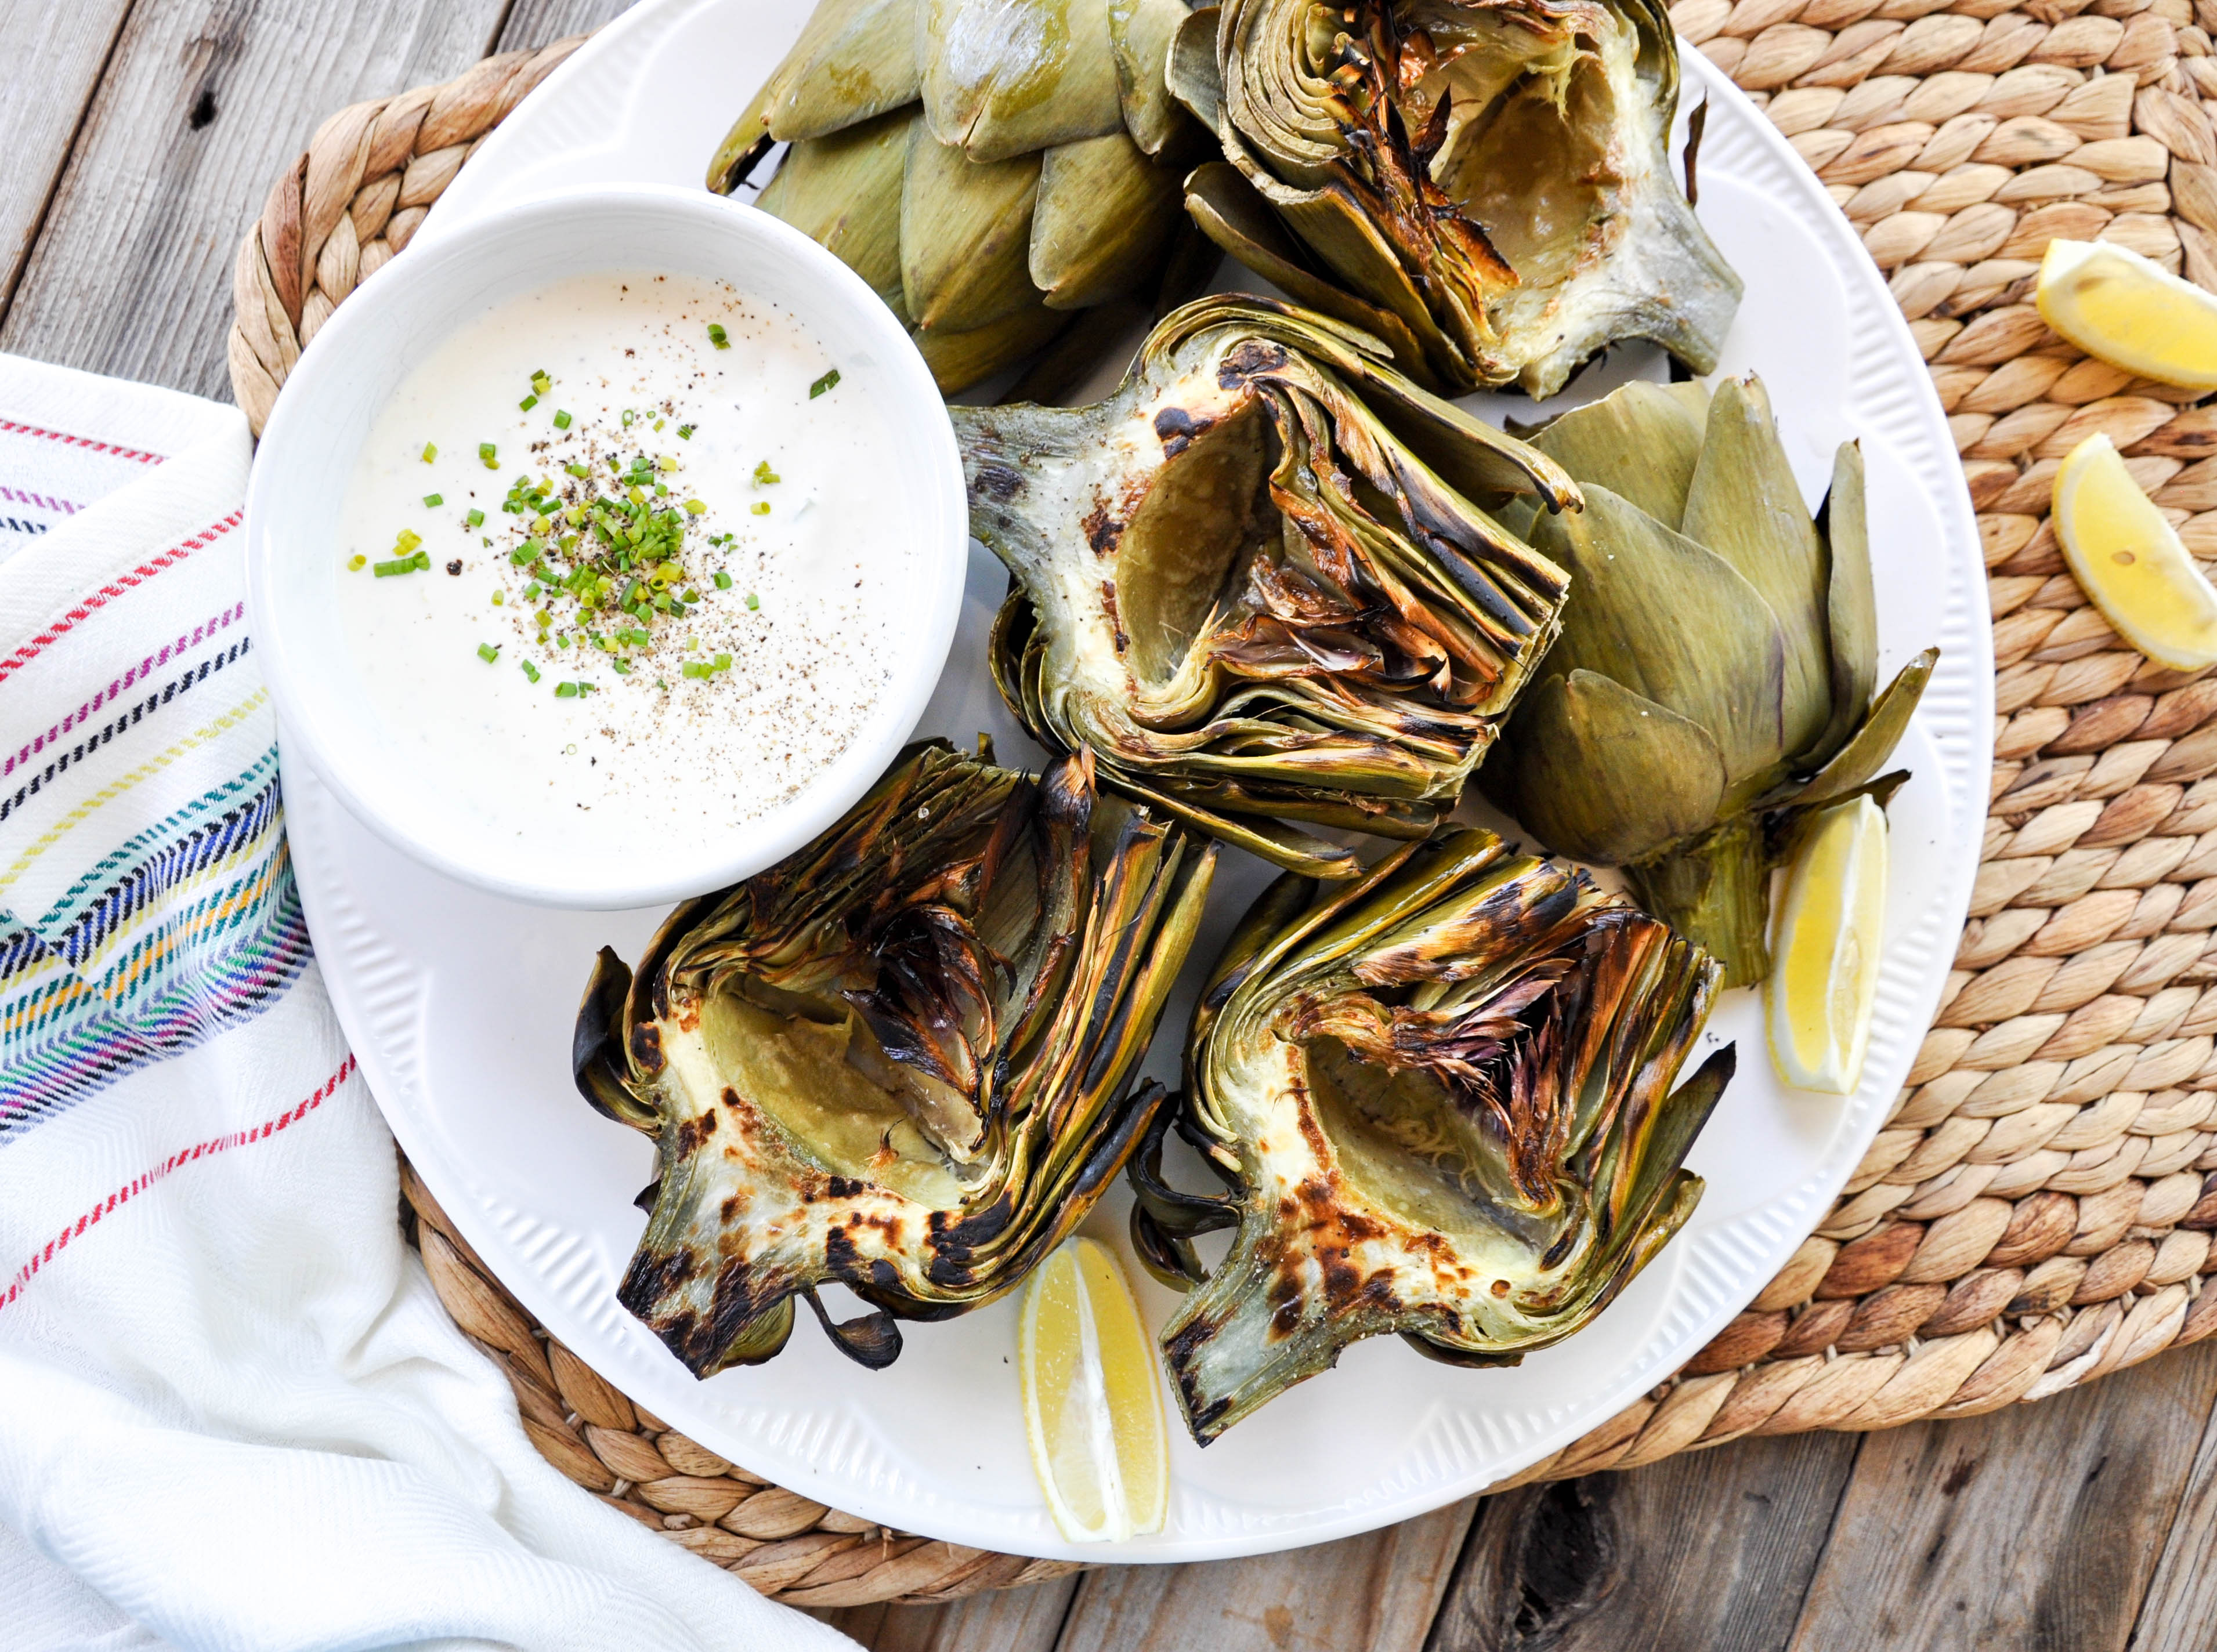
x=1092, y=1406
x=2129, y=310
x=1824, y=982
x=2129, y=560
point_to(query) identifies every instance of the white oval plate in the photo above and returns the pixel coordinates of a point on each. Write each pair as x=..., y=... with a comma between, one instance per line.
x=459, y=1005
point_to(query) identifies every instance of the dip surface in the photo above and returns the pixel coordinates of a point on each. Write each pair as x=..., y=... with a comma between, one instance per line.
x=656, y=601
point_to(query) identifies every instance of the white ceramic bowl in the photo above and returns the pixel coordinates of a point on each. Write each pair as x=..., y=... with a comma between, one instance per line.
x=295, y=503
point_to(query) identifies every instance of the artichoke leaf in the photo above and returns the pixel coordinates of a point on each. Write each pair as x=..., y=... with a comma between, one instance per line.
x=1006, y=77
x=1641, y=444
x=1644, y=776
x=959, y=358
x=1865, y=754
x=855, y=60
x=1745, y=505
x=844, y=192
x=1675, y=623
x=1851, y=601
x=1140, y=33
x=1191, y=74
x=1445, y=1094
x=900, y=1058
x=965, y=235
x=1104, y=218
x=1239, y=222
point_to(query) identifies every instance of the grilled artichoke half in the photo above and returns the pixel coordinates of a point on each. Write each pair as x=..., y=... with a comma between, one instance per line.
x=1484, y=184
x=987, y=166
x=898, y=1058
x=1441, y=1101
x=1713, y=682
x=1254, y=582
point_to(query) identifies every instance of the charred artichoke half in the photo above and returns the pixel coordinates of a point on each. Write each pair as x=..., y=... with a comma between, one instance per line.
x=988, y=166
x=898, y=1059
x=1442, y=1101
x=1484, y=184
x=1254, y=583
x=1714, y=680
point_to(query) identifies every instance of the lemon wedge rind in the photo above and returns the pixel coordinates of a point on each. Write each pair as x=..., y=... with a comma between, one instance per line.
x=2130, y=311
x=1093, y=1409
x=1823, y=987
x=2129, y=560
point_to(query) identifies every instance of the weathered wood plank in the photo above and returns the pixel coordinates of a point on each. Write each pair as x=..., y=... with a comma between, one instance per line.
x=2036, y=1527
x=2180, y=1612
x=541, y=22
x=1007, y=1620
x=204, y=104
x=54, y=55
x=1377, y=1593
x=1706, y=1553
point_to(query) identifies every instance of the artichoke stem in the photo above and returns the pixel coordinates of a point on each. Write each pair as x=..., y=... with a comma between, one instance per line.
x=1716, y=893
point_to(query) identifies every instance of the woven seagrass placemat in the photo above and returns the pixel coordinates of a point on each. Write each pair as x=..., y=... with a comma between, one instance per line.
x=2038, y=1211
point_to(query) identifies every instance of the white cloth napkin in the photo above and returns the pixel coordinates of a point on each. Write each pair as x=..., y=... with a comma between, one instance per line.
x=233, y=1414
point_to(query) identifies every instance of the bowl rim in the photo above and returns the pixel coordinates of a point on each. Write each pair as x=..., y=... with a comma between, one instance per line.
x=472, y=857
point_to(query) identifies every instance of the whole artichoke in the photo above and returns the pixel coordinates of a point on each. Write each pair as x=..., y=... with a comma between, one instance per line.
x=900, y=1058
x=1485, y=184
x=988, y=166
x=1255, y=585
x=1714, y=679
x=1441, y=1100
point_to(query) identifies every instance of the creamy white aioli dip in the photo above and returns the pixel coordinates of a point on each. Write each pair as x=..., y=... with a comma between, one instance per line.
x=649, y=755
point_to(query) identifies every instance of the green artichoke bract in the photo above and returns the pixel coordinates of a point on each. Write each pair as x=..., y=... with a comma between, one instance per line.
x=898, y=1059
x=1714, y=679
x=1254, y=582
x=1484, y=184
x=988, y=166
x=1441, y=1100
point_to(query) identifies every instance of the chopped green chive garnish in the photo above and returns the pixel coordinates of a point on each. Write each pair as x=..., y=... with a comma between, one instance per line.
x=754, y=602
x=566, y=691
x=526, y=404
x=357, y=563
x=581, y=471
x=685, y=432
x=626, y=424
x=432, y=500
x=531, y=671
x=490, y=455
x=561, y=420
x=541, y=384
x=430, y=451
x=694, y=508
x=409, y=540
x=418, y=564
x=765, y=477
x=829, y=381
x=499, y=599
x=718, y=336
x=475, y=519
x=761, y=507
x=723, y=580
x=721, y=663
x=488, y=652
x=666, y=462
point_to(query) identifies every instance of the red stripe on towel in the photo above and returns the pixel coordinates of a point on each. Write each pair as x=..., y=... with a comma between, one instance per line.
x=86, y=442
x=131, y=1190
x=115, y=588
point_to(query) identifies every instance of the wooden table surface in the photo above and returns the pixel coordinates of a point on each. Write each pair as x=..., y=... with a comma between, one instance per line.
x=139, y=138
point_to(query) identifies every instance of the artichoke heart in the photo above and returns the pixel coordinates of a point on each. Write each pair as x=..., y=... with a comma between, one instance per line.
x=1441, y=1102
x=899, y=1059
x=1255, y=584
x=1714, y=679
x=987, y=166
x=1492, y=174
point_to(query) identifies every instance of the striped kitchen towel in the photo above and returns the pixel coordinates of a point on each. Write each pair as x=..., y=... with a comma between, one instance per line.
x=231, y=1412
